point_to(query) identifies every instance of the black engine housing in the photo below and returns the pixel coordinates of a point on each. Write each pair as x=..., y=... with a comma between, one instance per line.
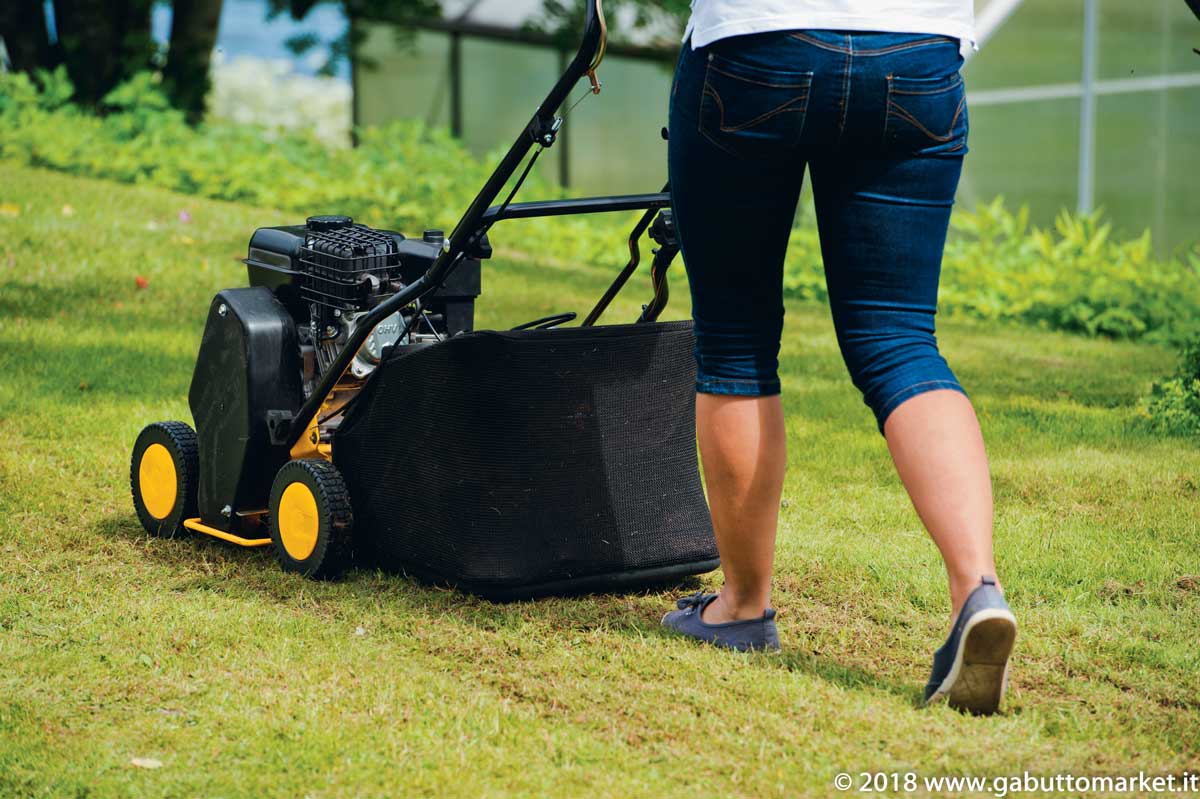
x=331, y=265
x=247, y=368
x=254, y=361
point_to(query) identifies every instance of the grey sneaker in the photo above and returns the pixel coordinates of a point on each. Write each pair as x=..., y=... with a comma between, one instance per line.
x=971, y=668
x=758, y=634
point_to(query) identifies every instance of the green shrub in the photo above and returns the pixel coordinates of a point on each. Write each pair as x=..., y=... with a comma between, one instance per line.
x=1174, y=404
x=406, y=176
x=1074, y=277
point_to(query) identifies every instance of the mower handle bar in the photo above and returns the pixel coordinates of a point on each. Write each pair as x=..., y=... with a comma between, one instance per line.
x=540, y=131
x=581, y=205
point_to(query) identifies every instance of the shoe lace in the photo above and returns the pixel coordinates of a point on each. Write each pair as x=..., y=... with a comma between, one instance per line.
x=691, y=602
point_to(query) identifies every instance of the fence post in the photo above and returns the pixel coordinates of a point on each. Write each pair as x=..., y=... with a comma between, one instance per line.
x=1087, y=110
x=564, y=150
x=456, y=123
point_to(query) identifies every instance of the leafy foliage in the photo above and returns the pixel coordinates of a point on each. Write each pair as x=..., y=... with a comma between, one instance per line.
x=1076, y=276
x=405, y=176
x=1174, y=404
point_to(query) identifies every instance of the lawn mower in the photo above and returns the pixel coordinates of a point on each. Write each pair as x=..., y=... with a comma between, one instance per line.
x=348, y=413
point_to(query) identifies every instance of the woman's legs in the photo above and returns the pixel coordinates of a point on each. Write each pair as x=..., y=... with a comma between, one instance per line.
x=734, y=192
x=938, y=450
x=744, y=455
x=883, y=224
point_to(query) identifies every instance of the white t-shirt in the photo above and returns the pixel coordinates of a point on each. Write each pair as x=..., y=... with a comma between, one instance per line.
x=717, y=19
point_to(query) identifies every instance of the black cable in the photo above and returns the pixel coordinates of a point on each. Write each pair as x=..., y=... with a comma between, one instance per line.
x=508, y=200
x=548, y=321
x=429, y=323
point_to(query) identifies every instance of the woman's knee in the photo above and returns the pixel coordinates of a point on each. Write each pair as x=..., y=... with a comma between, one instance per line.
x=891, y=368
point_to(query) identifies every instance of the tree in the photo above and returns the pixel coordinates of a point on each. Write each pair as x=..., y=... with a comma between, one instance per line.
x=400, y=12
x=23, y=27
x=560, y=18
x=103, y=42
x=193, y=36
x=564, y=18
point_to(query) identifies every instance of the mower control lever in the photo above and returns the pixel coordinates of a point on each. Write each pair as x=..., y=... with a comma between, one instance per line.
x=663, y=233
x=587, y=59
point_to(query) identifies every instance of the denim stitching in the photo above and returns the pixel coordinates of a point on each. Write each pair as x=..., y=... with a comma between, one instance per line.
x=783, y=109
x=736, y=380
x=954, y=85
x=907, y=116
x=760, y=388
x=844, y=100
x=709, y=91
x=817, y=43
x=903, y=113
x=895, y=48
x=900, y=48
x=808, y=83
x=947, y=383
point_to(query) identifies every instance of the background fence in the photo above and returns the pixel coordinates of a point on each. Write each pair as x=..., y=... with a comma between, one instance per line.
x=1026, y=89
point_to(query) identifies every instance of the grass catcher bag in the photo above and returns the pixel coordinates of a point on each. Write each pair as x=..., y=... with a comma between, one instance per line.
x=532, y=462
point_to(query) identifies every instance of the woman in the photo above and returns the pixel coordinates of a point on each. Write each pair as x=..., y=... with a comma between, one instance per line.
x=868, y=97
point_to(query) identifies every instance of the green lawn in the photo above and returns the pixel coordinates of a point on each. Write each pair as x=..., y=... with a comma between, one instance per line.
x=243, y=681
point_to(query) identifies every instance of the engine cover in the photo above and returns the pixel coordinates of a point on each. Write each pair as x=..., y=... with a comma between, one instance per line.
x=331, y=266
x=248, y=366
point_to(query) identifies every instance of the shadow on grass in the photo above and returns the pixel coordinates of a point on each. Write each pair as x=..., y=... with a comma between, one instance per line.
x=208, y=565
x=820, y=666
x=84, y=373
x=848, y=677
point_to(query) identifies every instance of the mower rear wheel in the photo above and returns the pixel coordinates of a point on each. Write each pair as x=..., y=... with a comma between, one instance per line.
x=311, y=520
x=163, y=475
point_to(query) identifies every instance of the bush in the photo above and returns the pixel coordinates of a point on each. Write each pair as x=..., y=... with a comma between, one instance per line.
x=1174, y=404
x=406, y=176
x=1074, y=277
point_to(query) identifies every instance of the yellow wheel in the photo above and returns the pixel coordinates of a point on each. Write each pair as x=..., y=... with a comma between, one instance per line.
x=311, y=519
x=162, y=477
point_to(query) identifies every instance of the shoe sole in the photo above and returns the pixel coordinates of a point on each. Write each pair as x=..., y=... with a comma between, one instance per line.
x=979, y=676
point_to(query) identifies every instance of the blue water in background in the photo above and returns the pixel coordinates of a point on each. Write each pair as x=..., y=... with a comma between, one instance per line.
x=245, y=31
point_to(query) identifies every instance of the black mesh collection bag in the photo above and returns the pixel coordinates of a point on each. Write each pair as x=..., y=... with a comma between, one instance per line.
x=523, y=463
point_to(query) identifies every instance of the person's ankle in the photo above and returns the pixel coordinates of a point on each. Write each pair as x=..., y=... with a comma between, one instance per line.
x=962, y=585
x=729, y=607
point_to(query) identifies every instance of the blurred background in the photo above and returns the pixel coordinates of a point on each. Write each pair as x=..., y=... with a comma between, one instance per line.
x=1061, y=119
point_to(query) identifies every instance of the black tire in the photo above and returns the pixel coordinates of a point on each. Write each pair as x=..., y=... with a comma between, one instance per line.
x=331, y=550
x=161, y=516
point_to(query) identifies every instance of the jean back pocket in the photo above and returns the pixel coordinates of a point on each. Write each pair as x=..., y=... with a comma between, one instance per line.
x=752, y=112
x=926, y=116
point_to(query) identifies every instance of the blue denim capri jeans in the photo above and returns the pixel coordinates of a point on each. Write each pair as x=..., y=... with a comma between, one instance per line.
x=880, y=122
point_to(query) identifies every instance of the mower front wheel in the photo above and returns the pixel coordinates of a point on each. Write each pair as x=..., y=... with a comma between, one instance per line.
x=311, y=520
x=163, y=474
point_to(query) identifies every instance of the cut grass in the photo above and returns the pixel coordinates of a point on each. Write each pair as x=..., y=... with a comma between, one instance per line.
x=244, y=681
